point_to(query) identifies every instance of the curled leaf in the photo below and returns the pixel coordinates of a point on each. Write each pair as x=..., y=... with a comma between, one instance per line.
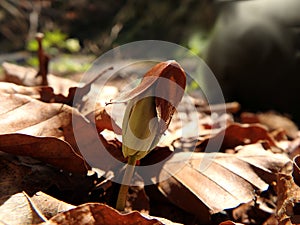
x=168, y=80
x=150, y=108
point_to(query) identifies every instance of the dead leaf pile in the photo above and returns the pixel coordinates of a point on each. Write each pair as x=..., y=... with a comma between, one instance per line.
x=249, y=179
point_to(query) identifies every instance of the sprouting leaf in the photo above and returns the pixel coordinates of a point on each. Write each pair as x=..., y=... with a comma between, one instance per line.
x=148, y=114
x=153, y=100
x=207, y=183
x=168, y=81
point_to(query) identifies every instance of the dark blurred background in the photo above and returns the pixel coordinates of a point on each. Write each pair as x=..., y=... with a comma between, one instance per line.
x=253, y=47
x=99, y=25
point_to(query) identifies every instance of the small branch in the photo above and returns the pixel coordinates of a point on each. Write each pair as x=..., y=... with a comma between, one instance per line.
x=126, y=180
x=230, y=107
x=43, y=60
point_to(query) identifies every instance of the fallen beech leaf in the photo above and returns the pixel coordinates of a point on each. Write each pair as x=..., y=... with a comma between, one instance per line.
x=12, y=176
x=22, y=209
x=43, y=93
x=256, y=211
x=96, y=214
x=236, y=134
x=27, y=77
x=100, y=117
x=293, y=147
x=18, y=210
x=48, y=205
x=32, y=128
x=239, y=134
x=11, y=88
x=46, y=149
x=207, y=183
x=103, y=120
x=288, y=200
x=60, y=90
x=18, y=173
x=273, y=121
x=22, y=117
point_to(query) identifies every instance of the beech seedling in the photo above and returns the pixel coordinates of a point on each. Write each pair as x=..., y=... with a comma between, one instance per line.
x=148, y=113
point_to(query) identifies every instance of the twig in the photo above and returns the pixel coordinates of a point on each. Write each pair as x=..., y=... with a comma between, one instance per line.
x=43, y=60
x=230, y=107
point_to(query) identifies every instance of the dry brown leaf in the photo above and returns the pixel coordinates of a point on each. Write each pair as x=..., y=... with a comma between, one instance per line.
x=48, y=205
x=46, y=130
x=42, y=93
x=293, y=147
x=46, y=149
x=288, y=200
x=22, y=209
x=59, y=90
x=103, y=120
x=18, y=173
x=257, y=211
x=207, y=183
x=96, y=214
x=100, y=117
x=273, y=121
x=33, y=128
x=236, y=134
x=11, y=88
x=18, y=210
x=12, y=176
x=27, y=77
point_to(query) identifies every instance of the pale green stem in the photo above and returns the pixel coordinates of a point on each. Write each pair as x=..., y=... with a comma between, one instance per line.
x=126, y=180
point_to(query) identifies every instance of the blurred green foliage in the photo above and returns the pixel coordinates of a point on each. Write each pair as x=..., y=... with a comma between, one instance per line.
x=96, y=26
x=101, y=25
x=55, y=41
x=197, y=42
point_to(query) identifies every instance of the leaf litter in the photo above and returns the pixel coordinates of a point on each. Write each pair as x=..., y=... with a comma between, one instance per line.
x=36, y=136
